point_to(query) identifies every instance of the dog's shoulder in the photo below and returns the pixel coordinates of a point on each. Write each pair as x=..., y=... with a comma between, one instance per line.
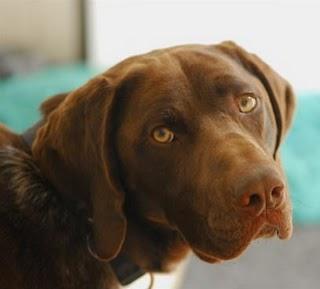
x=41, y=233
x=10, y=274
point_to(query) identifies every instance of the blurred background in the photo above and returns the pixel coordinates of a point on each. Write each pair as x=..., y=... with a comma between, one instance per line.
x=53, y=46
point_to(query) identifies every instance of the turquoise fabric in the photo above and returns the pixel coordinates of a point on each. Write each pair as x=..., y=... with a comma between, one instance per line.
x=301, y=158
x=20, y=98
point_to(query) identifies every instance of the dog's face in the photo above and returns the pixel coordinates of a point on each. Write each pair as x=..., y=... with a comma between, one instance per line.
x=196, y=142
x=189, y=135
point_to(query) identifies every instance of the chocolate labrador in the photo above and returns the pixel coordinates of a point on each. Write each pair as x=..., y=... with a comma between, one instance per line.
x=166, y=152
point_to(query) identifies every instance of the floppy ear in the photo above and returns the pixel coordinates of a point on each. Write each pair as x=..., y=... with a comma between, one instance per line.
x=74, y=149
x=280, y=92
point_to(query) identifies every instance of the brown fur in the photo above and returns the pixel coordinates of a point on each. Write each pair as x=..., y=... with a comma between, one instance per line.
x=93, y=158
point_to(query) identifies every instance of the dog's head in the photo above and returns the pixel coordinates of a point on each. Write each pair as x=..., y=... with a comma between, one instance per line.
x=188, y=134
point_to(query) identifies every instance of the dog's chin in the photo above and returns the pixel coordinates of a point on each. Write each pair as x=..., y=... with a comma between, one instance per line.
x=206, y=257
x=221, y=256
x=232, y=251
x=218, y=252
x=237, y=247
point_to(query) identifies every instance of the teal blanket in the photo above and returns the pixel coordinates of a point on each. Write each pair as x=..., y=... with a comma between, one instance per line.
x=20, y=98
x=301, y=158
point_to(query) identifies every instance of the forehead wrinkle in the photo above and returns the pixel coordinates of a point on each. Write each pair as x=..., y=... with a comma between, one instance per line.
x=225, y=84
x=161, y=108
x=169, y=89
x=199, y=69
x=164, y=81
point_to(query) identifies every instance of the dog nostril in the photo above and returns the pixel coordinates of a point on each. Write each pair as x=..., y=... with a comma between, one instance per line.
x=255, y=200
x=277, y=192
x=276, y=197
x=251, y=200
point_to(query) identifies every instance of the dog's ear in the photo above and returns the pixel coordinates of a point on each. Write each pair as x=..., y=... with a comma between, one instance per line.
x=75, y=151
x=280, y=92
x=52, y=103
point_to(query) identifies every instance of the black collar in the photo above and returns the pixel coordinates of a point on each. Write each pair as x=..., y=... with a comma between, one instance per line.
x=125, y=270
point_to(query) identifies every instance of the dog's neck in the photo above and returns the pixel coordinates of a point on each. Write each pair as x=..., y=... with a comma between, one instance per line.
x=147, y=246
x=125, y=270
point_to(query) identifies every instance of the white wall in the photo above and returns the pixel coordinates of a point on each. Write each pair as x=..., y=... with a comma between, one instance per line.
x=284, y=33
x=49, y=27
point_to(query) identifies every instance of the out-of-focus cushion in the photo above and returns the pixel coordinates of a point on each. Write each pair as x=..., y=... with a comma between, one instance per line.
x=20, y=96
x=301, y=158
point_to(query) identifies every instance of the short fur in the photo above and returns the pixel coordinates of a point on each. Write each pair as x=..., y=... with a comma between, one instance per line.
x=94, y=173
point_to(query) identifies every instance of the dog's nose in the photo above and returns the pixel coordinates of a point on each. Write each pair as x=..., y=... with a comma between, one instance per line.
x=261, y=192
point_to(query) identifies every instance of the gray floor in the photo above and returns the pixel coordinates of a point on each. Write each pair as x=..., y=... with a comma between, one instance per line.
x=267, y=264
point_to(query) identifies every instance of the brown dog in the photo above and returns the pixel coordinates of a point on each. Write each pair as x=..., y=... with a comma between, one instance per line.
x=173, y=150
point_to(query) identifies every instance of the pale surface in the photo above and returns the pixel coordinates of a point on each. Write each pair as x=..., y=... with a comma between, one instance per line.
x=161, y=281
x=268, y=264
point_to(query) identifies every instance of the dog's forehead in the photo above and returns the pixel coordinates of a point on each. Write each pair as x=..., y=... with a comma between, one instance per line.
x=193, y=62
x=189, y=72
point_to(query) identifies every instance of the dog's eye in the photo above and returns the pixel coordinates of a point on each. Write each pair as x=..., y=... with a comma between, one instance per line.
x=247, y=103
x=162, y=135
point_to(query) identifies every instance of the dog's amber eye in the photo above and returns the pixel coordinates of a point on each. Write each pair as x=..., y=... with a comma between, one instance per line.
x=162, y=135
x=247, y=103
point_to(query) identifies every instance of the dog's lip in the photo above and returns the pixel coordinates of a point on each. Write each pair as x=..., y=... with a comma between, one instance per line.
x=206, y=257
x=282, y=224
x=284, y=232
x=270, y=231
x=275, y=226
x=267, y=231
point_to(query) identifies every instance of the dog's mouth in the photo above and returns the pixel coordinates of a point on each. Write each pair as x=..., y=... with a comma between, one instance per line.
x=235, y=247
x=267, y=231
